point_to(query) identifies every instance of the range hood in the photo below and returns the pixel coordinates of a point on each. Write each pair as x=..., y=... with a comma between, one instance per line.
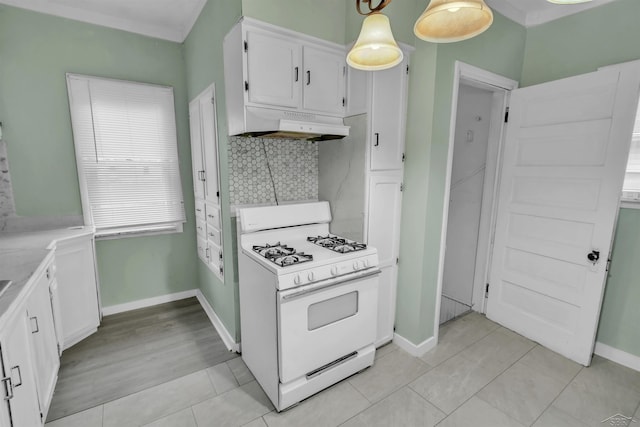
x=277, y=123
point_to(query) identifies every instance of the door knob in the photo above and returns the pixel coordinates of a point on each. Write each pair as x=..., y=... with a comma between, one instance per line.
x=594, y=256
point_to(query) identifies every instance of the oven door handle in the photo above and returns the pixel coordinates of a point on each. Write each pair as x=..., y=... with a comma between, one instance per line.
x=329, y=283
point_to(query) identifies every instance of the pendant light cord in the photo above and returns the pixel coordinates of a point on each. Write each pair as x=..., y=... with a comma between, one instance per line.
x=273, y=183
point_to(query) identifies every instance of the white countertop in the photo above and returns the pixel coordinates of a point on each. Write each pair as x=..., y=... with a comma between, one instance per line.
x=41, y=239
x=23, y=253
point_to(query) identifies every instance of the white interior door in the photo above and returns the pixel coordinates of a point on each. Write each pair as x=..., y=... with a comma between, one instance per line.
x=564, y=158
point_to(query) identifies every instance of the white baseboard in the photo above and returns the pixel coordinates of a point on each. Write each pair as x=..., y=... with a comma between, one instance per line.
x=147, y=302
x=623, y=358
x=413, y=349
x=228, y=340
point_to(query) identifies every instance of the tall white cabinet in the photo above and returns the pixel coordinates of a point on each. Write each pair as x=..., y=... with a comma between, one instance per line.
x=206, y=179
x=382, y=95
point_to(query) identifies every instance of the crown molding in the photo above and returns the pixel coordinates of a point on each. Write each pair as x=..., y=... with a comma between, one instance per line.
x=163, y=31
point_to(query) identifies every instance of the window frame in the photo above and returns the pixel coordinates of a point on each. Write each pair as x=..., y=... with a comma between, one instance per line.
x=124, y=231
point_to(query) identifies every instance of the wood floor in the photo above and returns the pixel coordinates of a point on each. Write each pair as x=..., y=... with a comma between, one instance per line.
x=136, y=350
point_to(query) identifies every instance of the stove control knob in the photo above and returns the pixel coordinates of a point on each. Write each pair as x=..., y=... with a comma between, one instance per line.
x=297, y=279
x=365, y=263
x=355, y=265
x=310, y=276
x=334, y=271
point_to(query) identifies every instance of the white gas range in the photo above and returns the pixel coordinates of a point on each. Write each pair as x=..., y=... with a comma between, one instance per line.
x=308, y=301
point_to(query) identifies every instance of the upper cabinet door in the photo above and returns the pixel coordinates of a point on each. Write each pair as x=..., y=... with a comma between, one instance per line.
x=196, y=149
x=324, y=81
x=273, y=69
x=210, y=146
x=388, y=111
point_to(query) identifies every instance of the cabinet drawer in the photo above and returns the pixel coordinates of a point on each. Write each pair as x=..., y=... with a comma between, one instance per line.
x=214, y=235
x=200, y=210
x=213, y=216
x=202, y=248
x=201, y=228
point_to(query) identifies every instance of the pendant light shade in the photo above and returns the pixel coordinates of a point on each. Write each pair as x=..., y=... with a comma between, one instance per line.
x=445, y=21
x=375, y=49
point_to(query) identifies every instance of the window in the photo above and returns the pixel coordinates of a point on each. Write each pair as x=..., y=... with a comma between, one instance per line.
x=125, y=141
x=631, y=186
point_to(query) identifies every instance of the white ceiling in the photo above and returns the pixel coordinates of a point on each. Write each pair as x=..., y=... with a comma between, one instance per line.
x=173, y=19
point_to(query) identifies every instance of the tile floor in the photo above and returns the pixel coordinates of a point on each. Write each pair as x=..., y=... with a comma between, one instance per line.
x=480, y=375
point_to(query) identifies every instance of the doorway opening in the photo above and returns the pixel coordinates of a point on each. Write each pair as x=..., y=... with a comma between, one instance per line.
x=477, y=121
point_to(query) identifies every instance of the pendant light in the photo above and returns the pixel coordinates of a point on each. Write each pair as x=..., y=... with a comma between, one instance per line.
x=445, y=21
x=375, y=49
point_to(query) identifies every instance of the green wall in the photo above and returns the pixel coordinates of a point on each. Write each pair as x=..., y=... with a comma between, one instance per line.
x=36, y=51
x=204, y=65
x=604, y=35
x=323, y=19
x=500, y=50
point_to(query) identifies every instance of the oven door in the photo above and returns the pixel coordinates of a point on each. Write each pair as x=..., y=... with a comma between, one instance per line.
x=322, y=323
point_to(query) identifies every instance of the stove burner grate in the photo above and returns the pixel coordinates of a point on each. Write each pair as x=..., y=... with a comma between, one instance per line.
x=337, y=244
x=282, y=255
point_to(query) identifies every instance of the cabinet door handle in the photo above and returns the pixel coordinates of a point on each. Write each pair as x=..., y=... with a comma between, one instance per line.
x=37, y=327
x=308, y=77
x=8, y=386
x=297, y=70
x=17, y=368
x=377, y=139
x=207, y=253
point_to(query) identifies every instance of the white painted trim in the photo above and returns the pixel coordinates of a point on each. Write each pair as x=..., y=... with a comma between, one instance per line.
x=228, y=340
x=627, y=204
x=413, y=349
x=482, y=79
x=147, y=302
x=621, y=357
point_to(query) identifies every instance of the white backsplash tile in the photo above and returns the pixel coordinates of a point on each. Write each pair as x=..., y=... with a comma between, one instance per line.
x=294, y=165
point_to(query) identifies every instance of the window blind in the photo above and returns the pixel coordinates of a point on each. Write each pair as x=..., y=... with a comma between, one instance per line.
x=631, y=187
x=126, y=150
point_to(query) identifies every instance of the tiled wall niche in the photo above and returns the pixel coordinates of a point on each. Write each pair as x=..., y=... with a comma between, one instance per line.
x=293, y=163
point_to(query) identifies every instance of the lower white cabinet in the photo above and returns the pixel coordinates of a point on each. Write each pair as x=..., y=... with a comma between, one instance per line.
x=44, y=342
x=383, y=233
x=20, y=403
x=386, y=303
x=77, y=289
x=29, y=355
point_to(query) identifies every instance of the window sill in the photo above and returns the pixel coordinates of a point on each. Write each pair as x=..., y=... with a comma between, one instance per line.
x=630, y=204
x=142, y=232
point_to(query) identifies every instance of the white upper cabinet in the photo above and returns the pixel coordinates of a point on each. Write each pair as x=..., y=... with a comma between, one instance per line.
x=324, y=81
x=273, y=69
x=388, y=116
x=209, y=134
x=204, y=146
x=196, y=150
x=268, y=67
x=358, y=82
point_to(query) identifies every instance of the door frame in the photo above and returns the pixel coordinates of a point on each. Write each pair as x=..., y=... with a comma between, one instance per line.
x=501, y=87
